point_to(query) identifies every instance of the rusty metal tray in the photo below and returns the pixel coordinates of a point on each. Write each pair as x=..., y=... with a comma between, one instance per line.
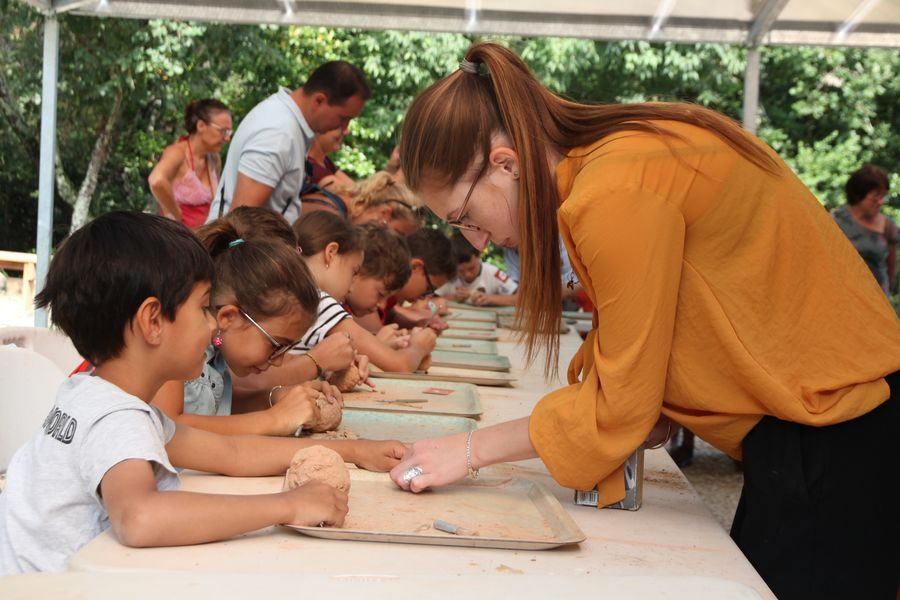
x=512, y=513
x=472, y=325
x=462, y=360
x=470, y=334
x=467, y=346
x=462, y=401
x=461, y=314
x=375, y=425
x=450, y=374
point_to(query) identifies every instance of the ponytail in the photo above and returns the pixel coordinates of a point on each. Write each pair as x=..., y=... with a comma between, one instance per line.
x=495, y=92
x=263, y=275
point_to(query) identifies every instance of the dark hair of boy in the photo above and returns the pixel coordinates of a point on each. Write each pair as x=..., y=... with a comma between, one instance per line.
x=264, y=276
x=463, y=251
x=201, y=110
x=258, y=222
x=339, y=80
x=864, y=180
x=318, y=229
x=387, y=256
x=103, y=272
x=433, y=248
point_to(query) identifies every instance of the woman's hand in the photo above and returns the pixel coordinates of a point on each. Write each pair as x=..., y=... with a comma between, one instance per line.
x=316, y=502
x=377, y=455
x=293, y=407
x=442, y=461
x=335, y=352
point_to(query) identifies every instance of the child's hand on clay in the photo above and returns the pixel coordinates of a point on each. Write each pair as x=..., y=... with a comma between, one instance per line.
x=315, y=502
x=377, y=455
x=293, y=407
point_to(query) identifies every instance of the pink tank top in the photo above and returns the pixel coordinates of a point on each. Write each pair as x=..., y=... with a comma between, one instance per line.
x=192, y=196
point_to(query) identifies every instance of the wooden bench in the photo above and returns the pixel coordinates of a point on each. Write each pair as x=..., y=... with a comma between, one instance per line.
x=27, y=264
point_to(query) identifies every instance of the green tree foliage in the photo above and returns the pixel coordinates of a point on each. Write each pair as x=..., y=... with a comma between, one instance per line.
x=825, y=110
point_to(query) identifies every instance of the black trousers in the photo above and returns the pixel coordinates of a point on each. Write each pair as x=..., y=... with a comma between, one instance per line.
x=819, y=515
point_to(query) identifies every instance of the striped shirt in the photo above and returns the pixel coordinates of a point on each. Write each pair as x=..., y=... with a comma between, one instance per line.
x=330, y=314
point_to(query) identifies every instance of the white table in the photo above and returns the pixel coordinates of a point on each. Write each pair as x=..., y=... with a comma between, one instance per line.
x=672, y=544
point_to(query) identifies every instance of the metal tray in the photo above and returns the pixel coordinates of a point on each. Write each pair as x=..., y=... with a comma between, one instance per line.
x=461, y=314
x=512, y=513
x=577, y=315
x=497, y=309
x=462, y=401
x=507, y=322
x=474, y=325
x=466, y=346
x=451, y=374
x=374, y=425
x=470, y=334
x=462, y=360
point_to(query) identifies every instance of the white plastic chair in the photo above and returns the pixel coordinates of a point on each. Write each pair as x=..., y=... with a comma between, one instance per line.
x=47, y=342
x=28, y=385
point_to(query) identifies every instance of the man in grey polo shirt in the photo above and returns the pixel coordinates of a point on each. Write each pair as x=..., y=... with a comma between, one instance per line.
x=266, y=158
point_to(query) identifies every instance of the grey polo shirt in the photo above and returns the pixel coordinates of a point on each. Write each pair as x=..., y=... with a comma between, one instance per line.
x=269, y=146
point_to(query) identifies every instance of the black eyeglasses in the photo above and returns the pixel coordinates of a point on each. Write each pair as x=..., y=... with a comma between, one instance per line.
x=278, y=349
x=431, y=288
x=457, y=222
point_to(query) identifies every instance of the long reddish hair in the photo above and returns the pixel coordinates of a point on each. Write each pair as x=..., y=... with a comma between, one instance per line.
x=447, y=135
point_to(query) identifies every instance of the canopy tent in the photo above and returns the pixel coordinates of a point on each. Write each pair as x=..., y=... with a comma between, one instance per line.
x=865, y=23
x=751, y=22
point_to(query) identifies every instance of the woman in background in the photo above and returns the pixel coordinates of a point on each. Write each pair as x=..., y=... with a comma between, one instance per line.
x=873, y=234
x=187, y=174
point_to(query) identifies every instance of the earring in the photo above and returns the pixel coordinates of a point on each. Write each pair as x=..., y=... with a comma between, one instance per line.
x=217, y=340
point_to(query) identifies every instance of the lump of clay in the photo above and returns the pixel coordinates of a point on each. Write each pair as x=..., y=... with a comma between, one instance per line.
x=330, y=414
x=345, y=380
x=320, y=464
x=425, y=364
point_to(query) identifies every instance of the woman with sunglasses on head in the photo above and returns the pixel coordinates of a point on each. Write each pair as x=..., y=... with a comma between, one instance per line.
x=187, y=174
x=726, y=299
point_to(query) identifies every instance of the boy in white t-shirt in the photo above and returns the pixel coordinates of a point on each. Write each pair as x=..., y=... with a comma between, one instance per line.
x=132, y=292
x=477, y=282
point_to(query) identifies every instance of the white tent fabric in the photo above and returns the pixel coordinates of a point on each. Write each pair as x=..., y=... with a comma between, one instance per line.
x=867, y=23
x=805, y=22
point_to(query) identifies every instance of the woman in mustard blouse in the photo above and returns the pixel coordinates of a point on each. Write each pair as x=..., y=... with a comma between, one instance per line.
x=726, y=299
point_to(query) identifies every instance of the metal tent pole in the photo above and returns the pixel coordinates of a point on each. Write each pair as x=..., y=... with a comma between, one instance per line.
x=751, y=89
x=46, y=189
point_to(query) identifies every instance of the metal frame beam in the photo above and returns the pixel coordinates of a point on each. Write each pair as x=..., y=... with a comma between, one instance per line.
x=46, y=181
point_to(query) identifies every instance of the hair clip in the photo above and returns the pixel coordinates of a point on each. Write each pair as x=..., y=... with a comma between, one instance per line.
x=475, y=68
x=236, y=242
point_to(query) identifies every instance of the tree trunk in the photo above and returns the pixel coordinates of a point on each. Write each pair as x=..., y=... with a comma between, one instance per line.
x=64, y=186
x=99, y=155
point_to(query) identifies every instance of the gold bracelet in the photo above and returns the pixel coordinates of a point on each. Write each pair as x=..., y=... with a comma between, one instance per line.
x=320, y=372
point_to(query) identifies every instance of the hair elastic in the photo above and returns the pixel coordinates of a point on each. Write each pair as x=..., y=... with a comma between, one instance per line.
x=467, y=66
x=236, y=242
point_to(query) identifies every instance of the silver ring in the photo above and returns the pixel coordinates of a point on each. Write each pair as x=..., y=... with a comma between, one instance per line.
x=411, y=473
